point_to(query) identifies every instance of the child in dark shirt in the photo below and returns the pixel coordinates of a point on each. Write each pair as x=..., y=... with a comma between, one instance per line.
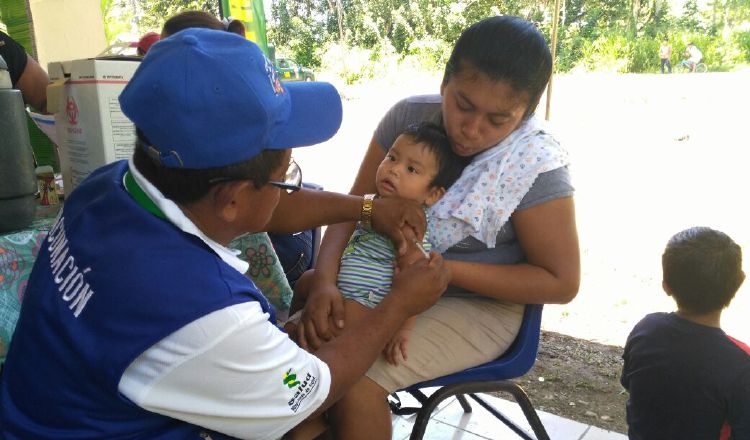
x=687, y=378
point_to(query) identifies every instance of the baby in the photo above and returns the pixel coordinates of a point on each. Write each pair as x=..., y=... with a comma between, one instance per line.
x=420, y=166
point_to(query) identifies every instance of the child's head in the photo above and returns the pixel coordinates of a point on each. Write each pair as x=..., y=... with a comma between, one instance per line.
x=702, y=269
x=420, y=165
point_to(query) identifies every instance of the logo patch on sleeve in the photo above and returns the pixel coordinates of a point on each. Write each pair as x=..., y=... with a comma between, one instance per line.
x=301, y=389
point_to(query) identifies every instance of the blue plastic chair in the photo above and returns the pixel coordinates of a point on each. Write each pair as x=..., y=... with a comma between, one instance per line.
x=490, y=377
x=297, y=252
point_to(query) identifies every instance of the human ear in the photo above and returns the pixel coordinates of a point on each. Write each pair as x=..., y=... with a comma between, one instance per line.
x=226, y=199
x=436, y=192
x=667, y=289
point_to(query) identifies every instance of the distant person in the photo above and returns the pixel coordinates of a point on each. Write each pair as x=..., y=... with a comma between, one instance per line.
x=146, y=41
x=26, y=74
x=687, y=378
x=665, y=53
x=694, y=56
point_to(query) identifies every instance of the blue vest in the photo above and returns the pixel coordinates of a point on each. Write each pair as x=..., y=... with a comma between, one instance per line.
x=110, y=281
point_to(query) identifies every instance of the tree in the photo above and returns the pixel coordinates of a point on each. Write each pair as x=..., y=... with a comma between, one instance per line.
x=149, y=15
x=690, y=19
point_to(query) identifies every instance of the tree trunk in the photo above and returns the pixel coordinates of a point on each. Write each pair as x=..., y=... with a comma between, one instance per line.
x=340, y=18
x=635, y=7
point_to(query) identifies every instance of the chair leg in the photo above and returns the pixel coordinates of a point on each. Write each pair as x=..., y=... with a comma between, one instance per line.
x=419, y=395
x=464, y=403
x=423, y=416
x=526, y=406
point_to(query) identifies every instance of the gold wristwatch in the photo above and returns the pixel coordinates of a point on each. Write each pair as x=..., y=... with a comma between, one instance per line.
x=365, y=216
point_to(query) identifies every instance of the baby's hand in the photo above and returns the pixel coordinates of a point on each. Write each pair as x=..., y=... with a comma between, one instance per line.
x=395, y=351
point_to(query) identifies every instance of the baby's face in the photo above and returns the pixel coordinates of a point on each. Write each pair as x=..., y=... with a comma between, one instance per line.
x=407, y=170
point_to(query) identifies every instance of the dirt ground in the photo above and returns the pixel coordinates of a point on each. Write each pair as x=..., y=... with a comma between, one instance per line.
x=579, y=380
x=651, y=155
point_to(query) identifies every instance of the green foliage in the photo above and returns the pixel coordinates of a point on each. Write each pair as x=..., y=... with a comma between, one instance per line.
x=644, y=55
x=17, y=22
x=363, y=39
x=303, y=41
x=356, y=64
x=402, y=33
x=116, y=19
x=141, y=16
x=608, y=53
x=597, y=35
x=691, y=18
x=151, y=14
x=430, y=53
x=742, y=41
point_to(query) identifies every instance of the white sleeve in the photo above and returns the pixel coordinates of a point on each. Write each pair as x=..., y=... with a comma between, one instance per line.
x=231, y=371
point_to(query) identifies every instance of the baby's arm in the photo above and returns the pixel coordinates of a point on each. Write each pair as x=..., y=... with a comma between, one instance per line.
x=396, y=347
x=414, y=252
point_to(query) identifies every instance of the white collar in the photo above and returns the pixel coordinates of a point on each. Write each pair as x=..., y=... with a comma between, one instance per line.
x=174, y=214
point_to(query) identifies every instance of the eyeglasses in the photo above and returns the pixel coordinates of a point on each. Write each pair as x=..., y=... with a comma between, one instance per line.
x=292, y=179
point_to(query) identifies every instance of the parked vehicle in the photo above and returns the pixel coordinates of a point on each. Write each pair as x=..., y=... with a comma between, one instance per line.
x=289, y=70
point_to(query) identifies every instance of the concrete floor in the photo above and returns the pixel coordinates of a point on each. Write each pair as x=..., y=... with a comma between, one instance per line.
x=450, y=422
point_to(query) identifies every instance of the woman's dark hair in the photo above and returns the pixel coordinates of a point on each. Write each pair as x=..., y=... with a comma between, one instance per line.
x=703, y=269
x=505, y=48
x=190, y=19
x=185, y=185
x=433, y=137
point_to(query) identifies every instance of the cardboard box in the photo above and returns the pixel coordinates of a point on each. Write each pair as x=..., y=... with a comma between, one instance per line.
x=92, y=130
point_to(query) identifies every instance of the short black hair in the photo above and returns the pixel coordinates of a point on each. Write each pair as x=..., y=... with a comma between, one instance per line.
x=190, y=19
x=703, y=269
x=505, y=48
x=434, y=138
x=187, y=185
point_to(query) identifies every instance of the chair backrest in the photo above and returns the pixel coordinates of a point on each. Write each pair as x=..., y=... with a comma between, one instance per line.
x=515, y=362
x=297, y=252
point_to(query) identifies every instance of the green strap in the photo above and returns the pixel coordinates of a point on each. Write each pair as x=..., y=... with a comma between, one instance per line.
x=140, y=196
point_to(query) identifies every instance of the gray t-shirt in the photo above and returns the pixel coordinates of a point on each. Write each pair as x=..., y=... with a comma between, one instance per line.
x=548, y=186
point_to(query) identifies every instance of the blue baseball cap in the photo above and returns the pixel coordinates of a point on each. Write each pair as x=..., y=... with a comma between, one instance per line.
x=205, y=98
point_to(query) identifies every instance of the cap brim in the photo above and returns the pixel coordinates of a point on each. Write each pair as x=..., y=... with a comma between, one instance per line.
x=315, y=115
